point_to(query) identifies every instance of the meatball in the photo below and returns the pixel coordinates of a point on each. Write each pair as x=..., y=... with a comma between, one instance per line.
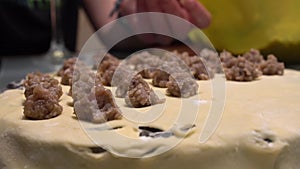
x=42, y=93
x=254, y=56
x=34, y=79
x=242, y=70
x=107, y=68
x=140, y=94
x=227, y=59
x=182, y=85
x=271, y=66
x=42, y=104
x=160, y=78
x=92, y=102
x=67, y=64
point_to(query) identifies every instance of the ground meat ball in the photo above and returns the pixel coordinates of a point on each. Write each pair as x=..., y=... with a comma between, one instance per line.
x=108, y=73
x=271, y=66
x=182, y=85
x=199, y=70
x=42, y=104
x=75, y=78
x=42, y=94
x=66, y=77
x=227, y=59
x=140, y=94
x=145, y=63
x=107, y=69
x=67, y=71
x=196, y=65
x=172, y=64
x=106, y=103
x=92, y=102
x=80, y=72
x=67, y=64
x=70, y=89
x=31, y=81
x=212, y=60
x=160, y=78
x=254, y=56
x=147, y=73
x=242, y=70
x=171, y=57
x=84, y=80
x=122, y=79
x=184, y=56
x=37, y=78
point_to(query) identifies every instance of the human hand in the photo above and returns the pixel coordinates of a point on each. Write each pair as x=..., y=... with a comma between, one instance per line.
x=190, y=10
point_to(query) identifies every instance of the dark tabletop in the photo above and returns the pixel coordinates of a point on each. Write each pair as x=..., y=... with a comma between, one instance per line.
x=14, y=68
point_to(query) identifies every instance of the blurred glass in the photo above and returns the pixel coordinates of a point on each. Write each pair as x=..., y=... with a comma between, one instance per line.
x=57, y=52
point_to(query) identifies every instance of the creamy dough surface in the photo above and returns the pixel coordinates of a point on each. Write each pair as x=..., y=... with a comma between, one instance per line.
x=260, y=129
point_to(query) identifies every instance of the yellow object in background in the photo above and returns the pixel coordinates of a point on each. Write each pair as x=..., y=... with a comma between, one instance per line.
x=270, y=25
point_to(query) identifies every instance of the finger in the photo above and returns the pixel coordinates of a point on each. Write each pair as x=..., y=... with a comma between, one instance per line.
x=148, y=39
x=128, y=7
x=141, y=5
x=152, y=6
x=155, y=24
x=199, y=15
x=158, y=23
x=173, y=7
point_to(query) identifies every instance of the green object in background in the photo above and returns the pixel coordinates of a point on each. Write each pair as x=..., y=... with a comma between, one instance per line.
x=38, y=4
x=273, y=26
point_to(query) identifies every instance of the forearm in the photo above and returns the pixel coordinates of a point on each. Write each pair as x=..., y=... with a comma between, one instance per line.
x=98, y=12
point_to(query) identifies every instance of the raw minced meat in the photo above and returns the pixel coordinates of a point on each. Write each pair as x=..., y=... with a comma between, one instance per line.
x=254, y=56
x=145, y=63
x=67, y=64
x=140, y=94
x=107, y=68
x=67, y=75
x=42, y=93
x=97, y=106
x=271, y=66
x=92, y=102
x=121, y=79
x=34, y=79
x=227, y=59
x=250, y=65
x=199, y=70
x=42, y=104
x=106, y=103
x=147, y=73
x=160, y=78
x=182, y=85
x=67, y=70
x=211, y=60
x=242, y=70
x=171, y=66
x=196, y=66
